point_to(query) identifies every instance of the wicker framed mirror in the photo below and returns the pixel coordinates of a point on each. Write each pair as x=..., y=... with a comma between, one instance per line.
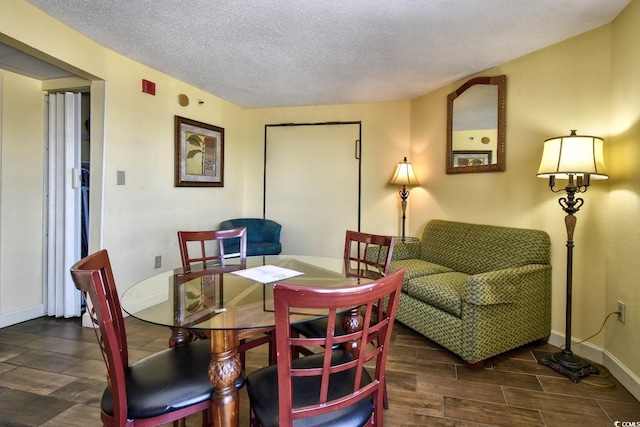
x=476, y=126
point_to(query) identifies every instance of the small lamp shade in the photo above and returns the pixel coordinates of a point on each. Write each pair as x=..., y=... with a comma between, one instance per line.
x=404, y=174
x=575, y=155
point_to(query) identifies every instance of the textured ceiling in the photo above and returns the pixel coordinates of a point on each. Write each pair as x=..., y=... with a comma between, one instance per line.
x=273, y=53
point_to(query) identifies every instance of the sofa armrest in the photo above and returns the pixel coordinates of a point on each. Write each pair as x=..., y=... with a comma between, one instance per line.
x=406, y=250
x=505, y=286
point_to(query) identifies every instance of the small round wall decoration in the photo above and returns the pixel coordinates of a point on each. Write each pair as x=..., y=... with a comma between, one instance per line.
x=485, y=140
x=183, y=99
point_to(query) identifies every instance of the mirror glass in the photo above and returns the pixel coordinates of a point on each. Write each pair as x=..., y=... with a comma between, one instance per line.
x=476, y=126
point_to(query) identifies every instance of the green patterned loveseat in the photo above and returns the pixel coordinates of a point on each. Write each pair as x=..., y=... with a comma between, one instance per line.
x=477, y=290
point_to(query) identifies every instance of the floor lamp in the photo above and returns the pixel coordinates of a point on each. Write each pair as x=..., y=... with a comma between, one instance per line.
x=578, y=159
x=404, y=176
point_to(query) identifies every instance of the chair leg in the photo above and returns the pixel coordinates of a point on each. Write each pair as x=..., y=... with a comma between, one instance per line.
x=385, y=398
x=245, y=345
x=272, y=347
x=242, y=356
x=180, y=336
x=253, y=421
x=207, y=418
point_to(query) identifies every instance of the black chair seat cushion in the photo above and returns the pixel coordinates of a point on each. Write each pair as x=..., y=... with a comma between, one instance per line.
x=317, y=328
x=166, y=381
x=262, y=387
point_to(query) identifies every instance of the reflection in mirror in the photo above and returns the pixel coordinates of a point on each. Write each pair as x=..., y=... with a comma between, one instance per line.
x=475, y=118
x=476, y=126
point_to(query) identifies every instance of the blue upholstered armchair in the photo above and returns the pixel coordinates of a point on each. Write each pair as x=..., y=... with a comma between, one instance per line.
x=263, y=236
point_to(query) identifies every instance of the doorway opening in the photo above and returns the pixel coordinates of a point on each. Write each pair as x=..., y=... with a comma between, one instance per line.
x=66, y=198
x=312, y=184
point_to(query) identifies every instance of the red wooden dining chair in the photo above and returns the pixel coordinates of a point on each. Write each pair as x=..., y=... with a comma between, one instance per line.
x=158, y=389
x=211, y=245
x=332, y=387
x=365, y=255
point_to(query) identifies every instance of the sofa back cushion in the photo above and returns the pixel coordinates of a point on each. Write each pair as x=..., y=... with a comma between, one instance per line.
x=476, y=248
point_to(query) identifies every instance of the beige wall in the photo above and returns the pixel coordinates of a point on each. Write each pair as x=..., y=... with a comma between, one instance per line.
x=385, y=140
x=621, y=245
x=21, y=206
x=141, y=217
x=583, y=83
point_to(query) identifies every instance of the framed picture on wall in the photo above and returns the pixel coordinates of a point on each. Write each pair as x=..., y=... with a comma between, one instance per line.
x=471, y=158
x=199, y=154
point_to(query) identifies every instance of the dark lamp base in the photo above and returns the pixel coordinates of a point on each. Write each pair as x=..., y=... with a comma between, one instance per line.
x=566, y=363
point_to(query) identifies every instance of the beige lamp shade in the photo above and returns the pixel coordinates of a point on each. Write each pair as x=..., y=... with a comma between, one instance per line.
x=575, y=155
x=404, y=174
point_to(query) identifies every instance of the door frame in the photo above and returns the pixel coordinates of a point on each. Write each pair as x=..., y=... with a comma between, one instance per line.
x=357, y=154
x=97, y=90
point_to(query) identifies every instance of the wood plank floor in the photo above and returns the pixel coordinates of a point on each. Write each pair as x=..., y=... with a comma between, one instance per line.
x=52, y=374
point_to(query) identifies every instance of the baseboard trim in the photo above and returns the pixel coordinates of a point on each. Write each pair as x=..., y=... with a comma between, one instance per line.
x=597, y=354
x=86, y=320
x=19, y=316
x=628, y=379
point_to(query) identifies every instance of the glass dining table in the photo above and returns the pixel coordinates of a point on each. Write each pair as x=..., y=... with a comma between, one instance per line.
x=228, y=303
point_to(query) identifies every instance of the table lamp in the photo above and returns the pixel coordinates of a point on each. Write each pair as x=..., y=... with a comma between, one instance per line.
x=578, y=159
x=404, y=176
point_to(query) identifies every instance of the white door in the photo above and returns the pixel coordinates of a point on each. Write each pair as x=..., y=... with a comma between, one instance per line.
x=64, y=197
x=312, y=185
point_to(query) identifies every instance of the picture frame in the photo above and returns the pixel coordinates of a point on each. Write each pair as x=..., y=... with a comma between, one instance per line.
x=471, y=158
x=199, y=154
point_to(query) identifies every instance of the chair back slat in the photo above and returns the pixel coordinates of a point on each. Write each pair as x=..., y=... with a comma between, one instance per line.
x=290, y=298
x=215, y=238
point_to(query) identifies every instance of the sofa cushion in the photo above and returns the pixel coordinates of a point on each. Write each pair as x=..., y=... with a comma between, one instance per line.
x=475, y=248
x=443, y=291
x=442, y=240
x=416, y=268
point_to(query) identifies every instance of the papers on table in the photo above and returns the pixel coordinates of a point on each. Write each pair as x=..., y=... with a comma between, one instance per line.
x=267, y=273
